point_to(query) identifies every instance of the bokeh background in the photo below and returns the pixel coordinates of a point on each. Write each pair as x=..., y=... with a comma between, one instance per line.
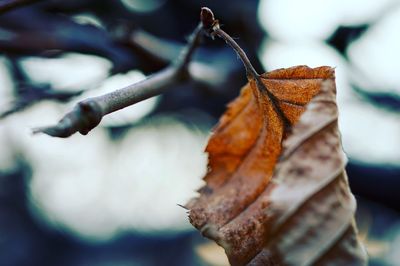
x=111, y=197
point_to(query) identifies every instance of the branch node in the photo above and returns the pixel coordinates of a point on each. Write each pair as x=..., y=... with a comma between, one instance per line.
x=91, y=114
x=85, y=116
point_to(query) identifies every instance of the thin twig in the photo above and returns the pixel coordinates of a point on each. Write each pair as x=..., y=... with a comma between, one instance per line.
x=87, y=114
x=8, y=5
x=213, y=28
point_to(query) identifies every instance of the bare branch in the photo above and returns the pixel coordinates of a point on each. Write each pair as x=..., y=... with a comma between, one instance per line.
x=87, y=114
x=7, y=5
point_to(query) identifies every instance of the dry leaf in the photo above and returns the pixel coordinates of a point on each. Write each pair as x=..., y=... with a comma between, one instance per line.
x=298, y=211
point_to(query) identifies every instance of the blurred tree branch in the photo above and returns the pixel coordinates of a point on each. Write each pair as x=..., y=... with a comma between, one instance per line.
x=8, y=5
x=29, y=93
x=87, y=114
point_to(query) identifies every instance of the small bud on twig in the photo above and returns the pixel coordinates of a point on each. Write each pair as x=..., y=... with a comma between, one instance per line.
x=207, y=17
x=210, y=24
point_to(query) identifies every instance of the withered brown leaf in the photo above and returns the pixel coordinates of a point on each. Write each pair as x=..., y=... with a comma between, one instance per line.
x=298, y=211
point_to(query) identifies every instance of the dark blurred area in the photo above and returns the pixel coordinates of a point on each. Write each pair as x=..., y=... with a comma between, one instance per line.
x=110, y=198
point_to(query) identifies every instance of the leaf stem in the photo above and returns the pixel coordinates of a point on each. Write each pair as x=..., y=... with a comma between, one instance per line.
x=250, y=71
x=212, y=26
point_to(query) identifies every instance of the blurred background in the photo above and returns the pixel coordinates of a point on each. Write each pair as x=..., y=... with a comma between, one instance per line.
x=111, y=197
